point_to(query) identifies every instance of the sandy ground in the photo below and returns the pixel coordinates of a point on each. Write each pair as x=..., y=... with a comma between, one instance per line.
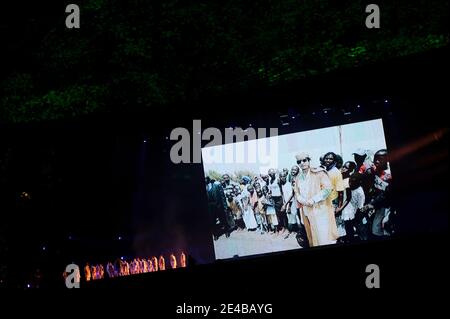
x=245, y=243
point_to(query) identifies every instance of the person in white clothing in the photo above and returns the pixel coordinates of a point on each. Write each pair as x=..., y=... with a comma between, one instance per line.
x=289, y=206
x=354, y=200
x=277, y=197
x=247, y=210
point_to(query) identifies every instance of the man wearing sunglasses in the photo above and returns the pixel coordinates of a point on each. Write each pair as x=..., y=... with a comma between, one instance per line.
x=312, y=190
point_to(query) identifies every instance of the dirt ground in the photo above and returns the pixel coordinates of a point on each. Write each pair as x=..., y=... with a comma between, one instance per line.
x=245, y=243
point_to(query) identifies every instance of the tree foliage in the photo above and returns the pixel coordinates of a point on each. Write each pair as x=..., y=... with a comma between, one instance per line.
x=139, y=54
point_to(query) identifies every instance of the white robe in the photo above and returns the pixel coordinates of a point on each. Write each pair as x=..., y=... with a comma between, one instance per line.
x=249, y=218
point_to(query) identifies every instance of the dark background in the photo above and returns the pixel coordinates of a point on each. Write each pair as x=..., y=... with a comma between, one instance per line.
x=104, y=182
x=76, y=108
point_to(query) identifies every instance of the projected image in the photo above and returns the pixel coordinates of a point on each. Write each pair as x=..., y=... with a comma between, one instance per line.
x=311, y=188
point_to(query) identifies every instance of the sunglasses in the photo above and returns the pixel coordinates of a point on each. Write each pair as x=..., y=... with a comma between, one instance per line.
x=303, y=160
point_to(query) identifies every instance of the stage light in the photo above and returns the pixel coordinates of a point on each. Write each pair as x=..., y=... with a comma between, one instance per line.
x=386, y=101
x=43, y=248
x=119, y=238
x=250, y=125
x=28, y=286
x=145, y=141
x=25, y=196
x=358, y=106
x=325, y=111
x=121, y=258
x=293, y=117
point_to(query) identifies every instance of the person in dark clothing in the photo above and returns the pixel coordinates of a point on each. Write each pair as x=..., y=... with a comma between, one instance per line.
x=217, y=208
x=360, y=156
x=339, y=161
x=379, y=201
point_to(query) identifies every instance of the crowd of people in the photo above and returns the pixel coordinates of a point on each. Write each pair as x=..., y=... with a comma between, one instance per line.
x=122, y=267
x=335, y=202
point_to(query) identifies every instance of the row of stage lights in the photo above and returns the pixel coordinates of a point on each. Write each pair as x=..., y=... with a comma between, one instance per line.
x=70, y=237
x=285, y=118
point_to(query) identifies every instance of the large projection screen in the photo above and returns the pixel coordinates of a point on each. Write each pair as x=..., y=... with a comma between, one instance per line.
x=260, y=204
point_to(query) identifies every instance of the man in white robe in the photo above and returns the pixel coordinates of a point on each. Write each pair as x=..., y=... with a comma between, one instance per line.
x=312, y=189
